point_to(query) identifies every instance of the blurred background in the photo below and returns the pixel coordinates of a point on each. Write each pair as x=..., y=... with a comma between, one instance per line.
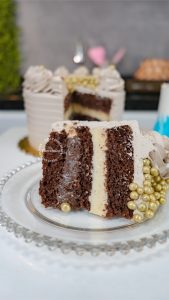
x=46, y=32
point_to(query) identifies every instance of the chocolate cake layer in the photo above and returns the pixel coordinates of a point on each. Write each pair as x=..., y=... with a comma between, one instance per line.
x=88, y=100
x=81, y=117
x=67, y=169
x=120, y=170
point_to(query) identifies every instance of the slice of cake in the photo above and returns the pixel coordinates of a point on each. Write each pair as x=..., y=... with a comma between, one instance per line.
x=51, y=97
x=105, y=168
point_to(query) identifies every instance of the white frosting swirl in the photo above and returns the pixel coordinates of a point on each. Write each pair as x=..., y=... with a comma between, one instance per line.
x=62, y=72
x=110, y=80
x=160, y=155
x=38, y=79
x=81, y=71
x=58, y=86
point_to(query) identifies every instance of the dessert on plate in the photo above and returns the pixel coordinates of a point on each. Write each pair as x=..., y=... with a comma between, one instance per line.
x=51, y=97
x=153, y=70
x=110, y=169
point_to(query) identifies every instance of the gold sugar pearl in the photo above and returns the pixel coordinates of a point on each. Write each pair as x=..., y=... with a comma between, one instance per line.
x=162, y=200
x=140, y=190
x=149, y=214
x=134, y=195
x=152, y=198
x=157, y=203
x=147, y=177
x=145, y=197
x=153, y=206
x=131, y=205
x=157, y=195
x=133, y=186
x=157, y=178
x=146, y=162
x=142, y=207
x=147, y=183
x=65, y=207
x=146, y=170
x=158, y=187
x=167, y=180
x=162, y=194
x=154, y=172
x=163, y=182
x=164, y=187
x=147, y=190
x=137, y=218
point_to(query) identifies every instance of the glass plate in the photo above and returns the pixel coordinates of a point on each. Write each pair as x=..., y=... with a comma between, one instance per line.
x=22, y=213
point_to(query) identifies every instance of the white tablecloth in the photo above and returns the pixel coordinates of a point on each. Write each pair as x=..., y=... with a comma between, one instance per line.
x=24, y=275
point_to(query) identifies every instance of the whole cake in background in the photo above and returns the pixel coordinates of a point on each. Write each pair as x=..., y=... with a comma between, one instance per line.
x=110, y=169
x=153, y=70
x=51, y=97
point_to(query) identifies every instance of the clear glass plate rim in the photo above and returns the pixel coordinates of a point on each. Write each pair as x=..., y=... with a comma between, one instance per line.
x=51, y=243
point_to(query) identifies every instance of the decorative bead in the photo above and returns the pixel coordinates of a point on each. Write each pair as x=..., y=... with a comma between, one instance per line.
x=163, y=194
x=162, y=200
x=142, y=207
x=140, y=190
x=157, y=195
x=167, y=180
x=137, y=218
x=152, y=198
x=158, y=187
x=157, y=203
x=65, y=207
x=146, y=170
x=146, y=162
x=131, y=205
x=149, y=214
x=146, y=197
x=163, y=182
x=153, y=206
x=134, y=195
x=157, y=178
x=147, y=182
x=133, y=186
x=147, y=176
x=147, y=190
x=154, y=172
x=164, y=188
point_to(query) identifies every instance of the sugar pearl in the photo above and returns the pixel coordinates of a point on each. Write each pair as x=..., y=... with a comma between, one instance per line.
x=152, y=198
x=147, y=176
x=137, y=218
x=146, y=162
x=154, y=172
x=142, y=207
x=140, y=190
x=162, y=193
x=157, y=195
x=133, y=186
x=164, y=187
x=146, y=170
x=163, y=182
x=147, y=190
x=134, y=195
x=131, y=205
x=149, y=214
x=147, y=183
x=162, y=200
x=145, y=197
x=158, y=188
x=65, y=207
x=153, y=206
x=157, y=178
x=167, y=180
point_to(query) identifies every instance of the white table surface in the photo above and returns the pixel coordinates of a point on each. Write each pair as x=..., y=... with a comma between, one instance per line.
x=23, y=277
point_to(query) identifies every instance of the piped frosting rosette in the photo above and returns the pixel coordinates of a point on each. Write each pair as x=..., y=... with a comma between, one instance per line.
x=109, y=79
x=38, y=79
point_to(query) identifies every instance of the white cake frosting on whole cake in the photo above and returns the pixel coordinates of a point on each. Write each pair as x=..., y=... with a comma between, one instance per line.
x=45, y=94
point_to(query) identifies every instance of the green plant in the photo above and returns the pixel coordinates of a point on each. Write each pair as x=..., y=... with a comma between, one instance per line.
x=9, y=48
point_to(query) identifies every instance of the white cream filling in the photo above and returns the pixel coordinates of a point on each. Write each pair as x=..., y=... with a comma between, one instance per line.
x=79, y=109
x=98, y=196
